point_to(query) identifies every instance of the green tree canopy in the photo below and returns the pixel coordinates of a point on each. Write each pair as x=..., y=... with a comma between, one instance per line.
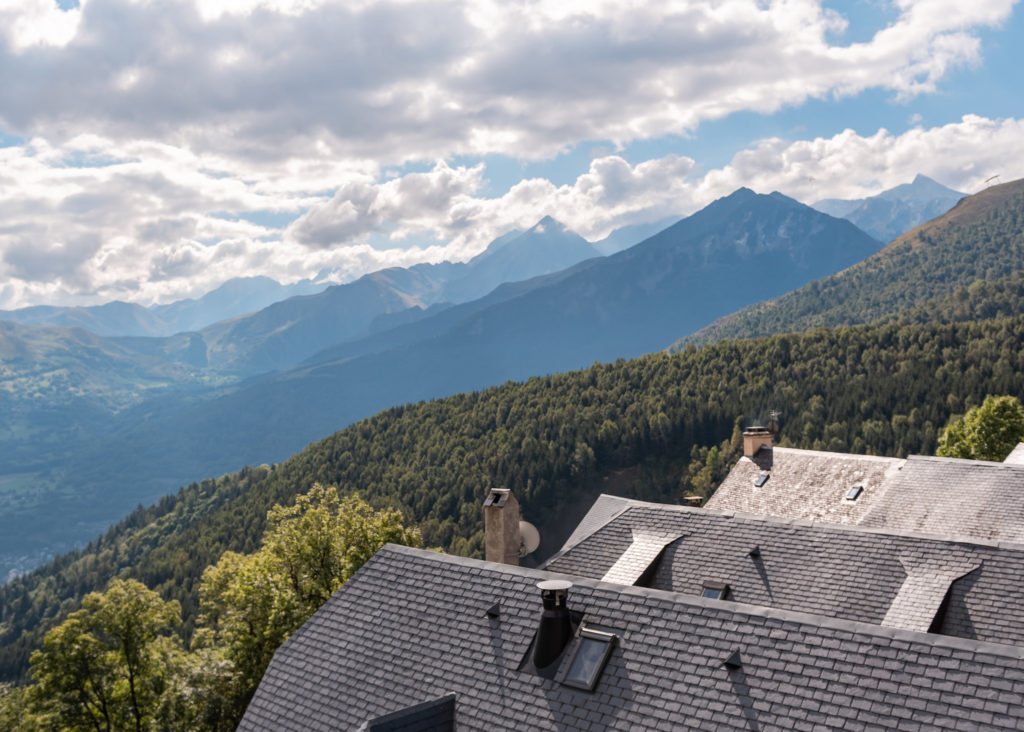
x=114, y=664
x=988, y=432
x=251, y=604
x=105, y=667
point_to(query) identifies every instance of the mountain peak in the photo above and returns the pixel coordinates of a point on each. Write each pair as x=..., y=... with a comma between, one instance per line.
x=547, y=223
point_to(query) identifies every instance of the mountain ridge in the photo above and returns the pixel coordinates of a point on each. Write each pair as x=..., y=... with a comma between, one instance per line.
x=979, y=238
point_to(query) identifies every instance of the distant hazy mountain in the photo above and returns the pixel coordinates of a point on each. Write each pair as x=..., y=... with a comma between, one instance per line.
x=979, y=239
x=235, y=297
x=110, y=319
x=628, y=236
x=546, y=247
x=897, y=210
x=292, y=330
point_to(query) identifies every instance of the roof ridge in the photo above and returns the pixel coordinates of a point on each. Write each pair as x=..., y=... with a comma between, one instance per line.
x=950, y=539
x=679, y=598
x=966, y=461
x=846, y=455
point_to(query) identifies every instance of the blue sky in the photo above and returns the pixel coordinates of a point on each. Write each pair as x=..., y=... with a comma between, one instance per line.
x=150, y=151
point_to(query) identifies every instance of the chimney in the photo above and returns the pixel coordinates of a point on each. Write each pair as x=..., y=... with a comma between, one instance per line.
x=501, y=527
x=754, y=438
x=555, y=629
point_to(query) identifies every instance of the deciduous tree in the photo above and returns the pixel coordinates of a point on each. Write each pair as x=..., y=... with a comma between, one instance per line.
x=988, y=432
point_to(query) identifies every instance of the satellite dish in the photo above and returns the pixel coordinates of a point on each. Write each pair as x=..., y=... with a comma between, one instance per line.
x=529, y=538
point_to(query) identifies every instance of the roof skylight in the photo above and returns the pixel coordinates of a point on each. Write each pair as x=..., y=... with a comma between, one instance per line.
x=854, y=493
x=760, y=480
x=590, y=658
x=715, y=591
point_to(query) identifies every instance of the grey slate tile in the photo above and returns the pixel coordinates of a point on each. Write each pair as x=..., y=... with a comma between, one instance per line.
x=771, y=689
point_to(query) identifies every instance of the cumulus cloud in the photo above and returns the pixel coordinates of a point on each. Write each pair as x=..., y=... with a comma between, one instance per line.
x=399, y=80
x=154, y=225
x=155, y=137
x=363, y=207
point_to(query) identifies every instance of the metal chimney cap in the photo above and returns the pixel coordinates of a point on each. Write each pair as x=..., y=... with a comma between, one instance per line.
x=554, y=585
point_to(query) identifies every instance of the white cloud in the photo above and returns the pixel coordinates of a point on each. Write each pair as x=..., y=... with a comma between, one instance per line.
x=393, y=81
x=151, y=223
x=27, y=23
x=156, y=133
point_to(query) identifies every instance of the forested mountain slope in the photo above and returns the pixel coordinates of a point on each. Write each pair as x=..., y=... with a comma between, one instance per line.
x=641, y=428
x=981, y=238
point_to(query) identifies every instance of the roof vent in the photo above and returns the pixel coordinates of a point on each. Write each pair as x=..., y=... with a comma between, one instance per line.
x=555, y=629
x=733, y=662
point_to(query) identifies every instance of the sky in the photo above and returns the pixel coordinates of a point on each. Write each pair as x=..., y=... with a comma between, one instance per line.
x=152, y=149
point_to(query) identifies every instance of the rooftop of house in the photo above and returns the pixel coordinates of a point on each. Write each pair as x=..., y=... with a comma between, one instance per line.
x=969, y=589
x=953, y=497
x=934, y=495
x=418, y=640
x=804, y=484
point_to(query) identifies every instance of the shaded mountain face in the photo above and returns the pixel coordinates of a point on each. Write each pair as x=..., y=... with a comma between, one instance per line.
x=981, y=238
x=897, y=210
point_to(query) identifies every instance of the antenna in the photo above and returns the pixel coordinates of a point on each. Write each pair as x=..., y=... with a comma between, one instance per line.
x=529, y=538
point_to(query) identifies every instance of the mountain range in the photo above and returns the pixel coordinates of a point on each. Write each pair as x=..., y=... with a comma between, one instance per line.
x=233, y=298
x=257, y=387
x=632, y=425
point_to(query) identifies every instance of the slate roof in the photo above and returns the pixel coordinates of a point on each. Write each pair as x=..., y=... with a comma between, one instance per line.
x=947, y=496
x=411, y=627
x=967, y=498
x=805, y=484
x=850, y=572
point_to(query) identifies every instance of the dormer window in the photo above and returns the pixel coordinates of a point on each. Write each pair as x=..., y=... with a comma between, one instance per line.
x=854, y=493
x=715, y=591
x=592, y=653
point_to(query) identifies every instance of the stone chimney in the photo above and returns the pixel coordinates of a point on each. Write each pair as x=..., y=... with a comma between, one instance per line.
x=501, y=527
x=754, y=438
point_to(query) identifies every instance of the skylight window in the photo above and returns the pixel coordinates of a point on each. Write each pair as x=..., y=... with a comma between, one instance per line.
x=590, y=658
x=854, y=493
x=715, y=591
x=760, y=480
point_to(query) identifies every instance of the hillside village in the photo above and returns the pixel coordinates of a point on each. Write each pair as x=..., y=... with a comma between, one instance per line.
x=814, y=590
x=444, y=366
x=845, y=538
